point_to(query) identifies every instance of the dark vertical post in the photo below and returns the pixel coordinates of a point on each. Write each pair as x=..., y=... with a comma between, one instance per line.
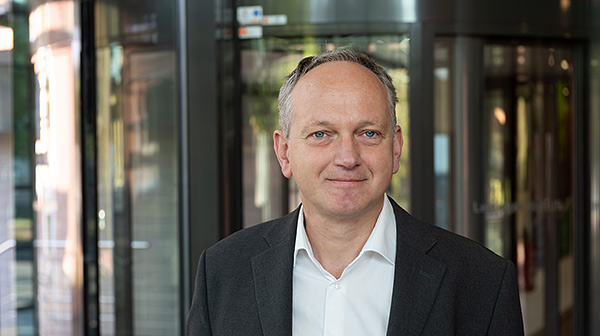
x=421, y=122
x=591, y=291
x=88, y=171
x=203, y=131
x=184, y=206
x=582, y=187
x=467, y=150
x=550, y=231
x=229, y=84
x=236, y=155
x=122, y=253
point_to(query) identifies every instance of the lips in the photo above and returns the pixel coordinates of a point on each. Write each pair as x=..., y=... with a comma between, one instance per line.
x=346, y=180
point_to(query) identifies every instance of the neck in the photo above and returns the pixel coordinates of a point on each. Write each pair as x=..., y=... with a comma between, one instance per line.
x=337, y=242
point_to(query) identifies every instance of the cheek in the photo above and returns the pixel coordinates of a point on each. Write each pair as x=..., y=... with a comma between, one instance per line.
x=305, y=164
x=379, y=162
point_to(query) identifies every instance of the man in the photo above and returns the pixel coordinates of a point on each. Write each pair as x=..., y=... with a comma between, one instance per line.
x=349, y=260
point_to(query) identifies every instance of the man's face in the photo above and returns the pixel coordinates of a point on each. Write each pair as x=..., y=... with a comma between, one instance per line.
x=342, y=149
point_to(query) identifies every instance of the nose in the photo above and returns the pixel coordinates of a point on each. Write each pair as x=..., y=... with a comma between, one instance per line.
x=347, y=152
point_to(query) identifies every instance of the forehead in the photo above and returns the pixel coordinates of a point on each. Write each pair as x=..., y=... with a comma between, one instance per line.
x=340, y=74
x=340, y=90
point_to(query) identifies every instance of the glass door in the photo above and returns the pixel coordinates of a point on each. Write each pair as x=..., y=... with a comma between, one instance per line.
x=511, y=149
x=138, y=169
x=529, y=177
x=57, y=167
x=17, y=267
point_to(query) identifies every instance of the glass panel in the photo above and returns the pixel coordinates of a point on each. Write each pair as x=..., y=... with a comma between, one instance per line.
x=529, y=176
x=17, y=268
x=53, y=33
x=265, y=63
x=8, y=305
x=522, y=199
x=137, y=130
x=442, y=136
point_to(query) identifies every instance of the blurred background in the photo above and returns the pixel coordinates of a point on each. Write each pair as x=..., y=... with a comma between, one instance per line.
x=134, y=134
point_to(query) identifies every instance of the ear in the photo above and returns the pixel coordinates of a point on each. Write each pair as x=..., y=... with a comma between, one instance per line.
x=398, y=143
x=280, y=145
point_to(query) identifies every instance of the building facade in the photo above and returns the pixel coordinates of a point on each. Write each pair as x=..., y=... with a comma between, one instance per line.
x=135, y=134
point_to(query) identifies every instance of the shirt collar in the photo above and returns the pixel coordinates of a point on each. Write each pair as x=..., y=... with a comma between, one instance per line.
x=381, y=241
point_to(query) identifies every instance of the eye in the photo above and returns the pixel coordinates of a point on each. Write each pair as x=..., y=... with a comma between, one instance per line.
x=370, y=134
x=319, y=134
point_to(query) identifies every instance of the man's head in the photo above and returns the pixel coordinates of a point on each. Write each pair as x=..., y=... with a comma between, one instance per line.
x=342, y=145
x=308, y=63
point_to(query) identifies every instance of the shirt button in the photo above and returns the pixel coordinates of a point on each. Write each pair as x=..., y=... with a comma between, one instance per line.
x=337, y=286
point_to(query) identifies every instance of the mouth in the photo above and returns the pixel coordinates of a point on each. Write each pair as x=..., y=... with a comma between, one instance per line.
x=346, y=180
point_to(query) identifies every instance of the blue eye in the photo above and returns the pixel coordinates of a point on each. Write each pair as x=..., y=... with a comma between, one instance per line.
x=319, y=134
x=370, y=134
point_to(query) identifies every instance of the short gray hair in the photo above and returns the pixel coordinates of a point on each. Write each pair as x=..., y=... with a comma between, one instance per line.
x=311, y=62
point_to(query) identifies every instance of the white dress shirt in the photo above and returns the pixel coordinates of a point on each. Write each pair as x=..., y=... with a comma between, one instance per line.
x=358, y=303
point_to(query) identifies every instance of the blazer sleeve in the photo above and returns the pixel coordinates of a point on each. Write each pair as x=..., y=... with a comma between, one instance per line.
x=507, y=318
x=198, y=322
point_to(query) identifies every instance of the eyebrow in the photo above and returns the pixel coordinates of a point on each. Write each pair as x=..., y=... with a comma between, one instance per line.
x=329, y=124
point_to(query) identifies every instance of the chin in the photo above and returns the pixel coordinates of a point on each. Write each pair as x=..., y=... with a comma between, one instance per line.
x=349, y=208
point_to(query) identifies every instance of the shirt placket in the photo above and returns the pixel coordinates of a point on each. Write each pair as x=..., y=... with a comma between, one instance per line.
x=334, y=309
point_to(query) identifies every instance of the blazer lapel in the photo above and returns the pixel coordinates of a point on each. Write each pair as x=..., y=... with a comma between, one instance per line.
x=272, y=271
x=416, y=279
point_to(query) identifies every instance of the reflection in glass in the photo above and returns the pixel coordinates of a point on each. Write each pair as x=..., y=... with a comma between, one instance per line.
x=138, y=202
x=442, y=133
x=265, y=63
x=8, y=308
x=522, y=164
x=529, y=176
x=17, y=269
x=57, y=169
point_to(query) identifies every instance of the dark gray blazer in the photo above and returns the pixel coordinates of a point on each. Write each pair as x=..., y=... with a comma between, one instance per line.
x=444, y=284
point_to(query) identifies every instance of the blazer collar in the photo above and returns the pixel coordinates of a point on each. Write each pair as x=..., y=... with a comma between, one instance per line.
x=416, y=280
x=272, y=270
x=417, y=276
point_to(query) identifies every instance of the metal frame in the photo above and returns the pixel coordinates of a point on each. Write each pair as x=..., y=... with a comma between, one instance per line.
x=421, y=110
x=591, y=291
x=184, y=207
x=205, y=196
x=91, y=303
x=582, y=194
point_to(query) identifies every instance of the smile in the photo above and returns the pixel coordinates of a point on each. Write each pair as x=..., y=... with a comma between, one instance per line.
x=345, y=180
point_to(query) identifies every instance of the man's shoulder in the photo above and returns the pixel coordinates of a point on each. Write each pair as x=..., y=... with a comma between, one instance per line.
x=447, y=246
x=460, y=250
x=254, y=239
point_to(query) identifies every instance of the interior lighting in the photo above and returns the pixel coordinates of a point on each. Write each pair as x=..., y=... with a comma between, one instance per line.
x=6, y=38
x=551, y=60
x=500, y=115
x=564, y=64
